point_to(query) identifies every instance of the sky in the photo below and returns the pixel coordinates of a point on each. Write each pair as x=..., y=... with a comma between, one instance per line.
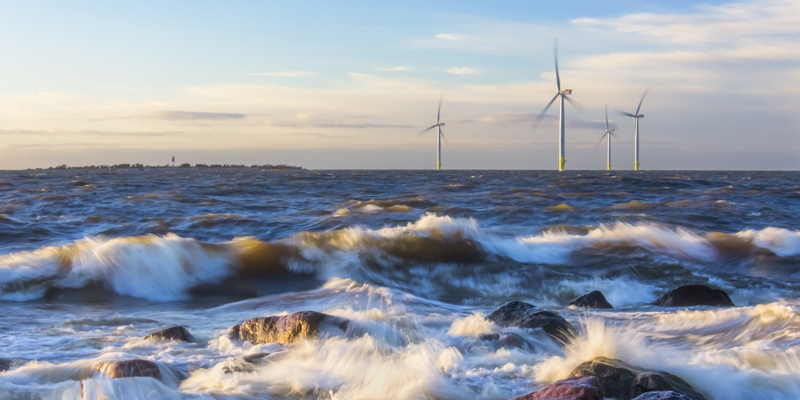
x=350, y=84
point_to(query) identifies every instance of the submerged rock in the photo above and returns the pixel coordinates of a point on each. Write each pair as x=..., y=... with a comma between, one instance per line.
x=128, y=369
x=623, y=381
x=694, y=295
x=593, y=299
x=662, y=395
x=507, y=340
x=524, y=315
x=245, y=364
x=5, y=364
x=174, y=333
x=286, y=329
x=576, y=388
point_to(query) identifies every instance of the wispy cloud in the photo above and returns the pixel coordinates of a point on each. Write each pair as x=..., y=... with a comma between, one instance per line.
x=394, y=69
x=196, y=116
x=462, y=71
x=450, y=36
x=284, y=74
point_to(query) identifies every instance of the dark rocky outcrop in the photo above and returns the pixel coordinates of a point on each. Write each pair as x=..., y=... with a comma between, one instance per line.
x=286, y=329
x=623, y=381
x=5, y=364
x=524, y=315
x=662, y=395
x=507, y=340
x=128, y=369
x=593, y=299
x=576, y=388
x=174, y=333
x=694, y=295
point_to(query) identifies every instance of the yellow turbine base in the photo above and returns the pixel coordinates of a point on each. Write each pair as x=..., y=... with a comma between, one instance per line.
x=561, y=162
x=636, y=167
x=438, y=166
x=609, y=167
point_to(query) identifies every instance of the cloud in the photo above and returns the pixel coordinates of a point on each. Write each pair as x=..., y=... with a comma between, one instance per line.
x=196, y=116
x=450, y=36
x=527, y=119
x=284, y=74
x=709, y=24
x=462, y=71
x=62, y=133
x=394, y=69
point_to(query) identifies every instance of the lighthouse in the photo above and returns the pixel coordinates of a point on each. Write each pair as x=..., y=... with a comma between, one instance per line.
x=173, y=162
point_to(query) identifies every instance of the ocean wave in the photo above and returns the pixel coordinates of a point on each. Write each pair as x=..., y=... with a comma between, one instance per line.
x=164, y=268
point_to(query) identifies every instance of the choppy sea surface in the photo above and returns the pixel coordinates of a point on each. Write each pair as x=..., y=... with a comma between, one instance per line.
x=91, y=261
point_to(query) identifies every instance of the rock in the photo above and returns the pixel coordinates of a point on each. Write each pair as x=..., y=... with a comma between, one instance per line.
x=593, y=299
x=128, y=369
x=507, y=340
x=286, y=329
x=174, y=333
x=623, y=381
x=662, y=395
x=524, y=315
x=576, y=388
x=694, y=295
x=245, y=364
x=5, y=364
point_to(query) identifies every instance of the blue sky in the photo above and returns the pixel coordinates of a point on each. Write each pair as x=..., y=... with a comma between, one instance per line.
x=350, y=84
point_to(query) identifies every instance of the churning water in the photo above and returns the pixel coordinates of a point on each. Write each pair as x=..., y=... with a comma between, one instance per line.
x=94, y=260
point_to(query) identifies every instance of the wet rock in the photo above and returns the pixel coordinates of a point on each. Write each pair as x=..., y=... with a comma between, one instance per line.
x=694, y=295
x=5, y=364
x=662, y=395
x=623, y=381
x=507, y=340
x=174, y=333
x=128, y=369
x=524, y=315
x=593, y=299
x=576, y=388
x=286, y=329
x=245, y=364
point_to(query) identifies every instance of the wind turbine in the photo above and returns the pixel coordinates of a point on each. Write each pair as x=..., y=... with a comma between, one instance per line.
x=439, y=135
x=636, y=117
x=563, y=95
x=609, y=133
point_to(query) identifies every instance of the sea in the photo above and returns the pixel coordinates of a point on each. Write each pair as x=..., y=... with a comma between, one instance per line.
x=93, y=260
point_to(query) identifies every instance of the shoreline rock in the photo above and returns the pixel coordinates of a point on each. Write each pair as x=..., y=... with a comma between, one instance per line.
x=286, y=329
x=594, y=299
x=174, y=333
x=5, y=364
x=662, y=395
x=525, y=315
x=623, y=381
x=128, y=369
x=694, y=295
x=576, y=388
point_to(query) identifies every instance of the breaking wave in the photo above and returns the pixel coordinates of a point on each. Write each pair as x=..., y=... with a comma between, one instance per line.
x=165, y=268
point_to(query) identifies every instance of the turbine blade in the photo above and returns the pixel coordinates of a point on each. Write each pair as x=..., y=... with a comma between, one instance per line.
x=447, y=142
x=422, y=132
x=439, y=114
x=541, y=115
x=612, y=134
x=601, y=140
x=607, y=118
x=578, y=106
x=620, y=112
x=555, y=57
x=640, y=101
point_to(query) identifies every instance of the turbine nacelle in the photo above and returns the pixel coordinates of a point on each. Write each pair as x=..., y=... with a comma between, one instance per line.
x=566, y=91
x=640, y=116
x=442, y=124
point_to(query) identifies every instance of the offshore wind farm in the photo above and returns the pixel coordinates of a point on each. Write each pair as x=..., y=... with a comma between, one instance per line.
x=241, y=200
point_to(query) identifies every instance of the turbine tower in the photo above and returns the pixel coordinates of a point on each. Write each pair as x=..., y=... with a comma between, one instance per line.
x=636, y=117
x=439, y=135
x=563, y=95
x=609, y=132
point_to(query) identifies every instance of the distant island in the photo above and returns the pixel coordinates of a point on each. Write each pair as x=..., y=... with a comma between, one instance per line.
x=269, y=167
